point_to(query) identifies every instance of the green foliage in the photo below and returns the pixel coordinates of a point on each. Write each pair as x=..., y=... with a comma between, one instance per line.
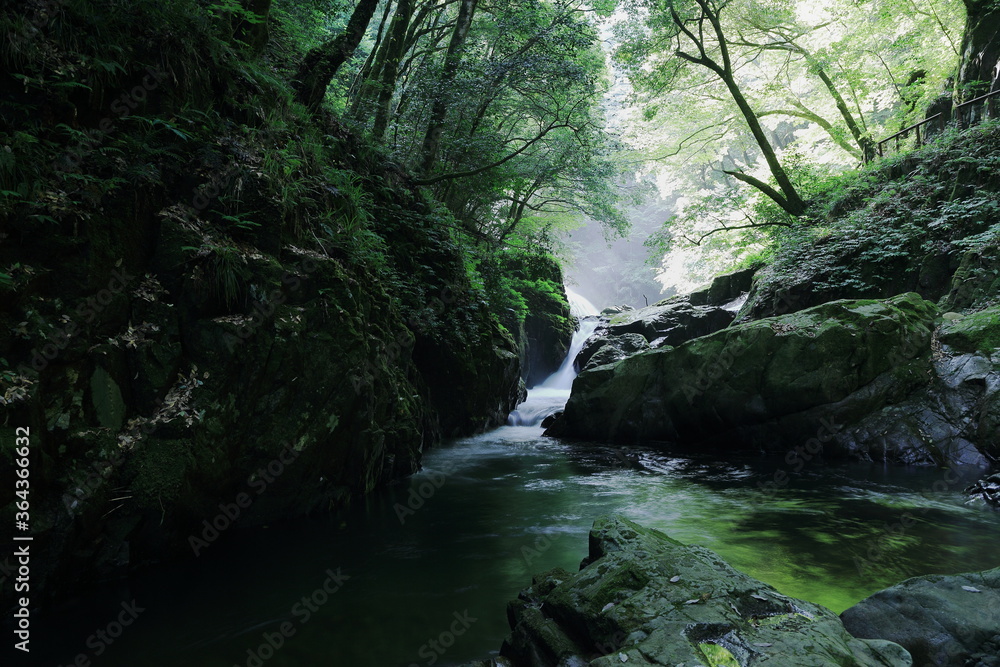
x=890, y=216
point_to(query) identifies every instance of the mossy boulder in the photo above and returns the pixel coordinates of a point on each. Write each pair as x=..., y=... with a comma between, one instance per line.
x=942, y=620
x=608, y=348
x=976, y=281
x=975, y=332
x=643, y=598
x=767, y=384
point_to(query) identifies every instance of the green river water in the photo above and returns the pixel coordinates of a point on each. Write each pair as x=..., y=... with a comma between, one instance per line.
x=498, y=508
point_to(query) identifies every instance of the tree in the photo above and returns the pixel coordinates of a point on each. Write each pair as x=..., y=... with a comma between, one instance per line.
x=822, y=83
x=393, y=49
x=452, y=60
x=700, y=26
x=321, y=63
x=979, y=69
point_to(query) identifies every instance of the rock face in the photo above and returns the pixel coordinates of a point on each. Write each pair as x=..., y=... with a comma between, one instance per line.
x=606, y=348
x=298, y=402
x=866, y=379
x=641, y=598
x=946, y=621
x=544, y=335
x=725, y=288
x=671, y=322
x=313, y=381
x=957, y=413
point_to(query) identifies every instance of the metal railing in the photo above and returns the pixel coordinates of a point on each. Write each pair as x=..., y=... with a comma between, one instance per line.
x=959, y=112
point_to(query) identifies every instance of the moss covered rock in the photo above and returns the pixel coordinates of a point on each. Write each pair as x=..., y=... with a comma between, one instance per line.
x=643, y=598
x=951, y=621
x=770, y=384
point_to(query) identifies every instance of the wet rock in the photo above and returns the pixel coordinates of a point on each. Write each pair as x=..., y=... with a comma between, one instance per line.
x=674, y=322
x=551, y=419
x=988, y=488
x=724, y=289
x=946, y=621
x=642, y=598
x=771, y=384
x=608, y=348
x=542, y=338
x=836, y=270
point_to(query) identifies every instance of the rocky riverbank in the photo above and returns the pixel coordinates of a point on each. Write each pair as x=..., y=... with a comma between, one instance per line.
x=643, y=598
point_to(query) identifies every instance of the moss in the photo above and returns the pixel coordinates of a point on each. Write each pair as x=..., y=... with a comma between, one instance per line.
x=160, y=468
x=717, y=656
x=975, y=332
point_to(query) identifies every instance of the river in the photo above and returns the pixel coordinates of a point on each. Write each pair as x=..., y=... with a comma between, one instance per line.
x=419, y=574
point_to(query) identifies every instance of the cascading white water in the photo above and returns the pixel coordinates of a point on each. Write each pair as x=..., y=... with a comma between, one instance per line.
x=563, y=378
x=551, y=395
x=579, y=306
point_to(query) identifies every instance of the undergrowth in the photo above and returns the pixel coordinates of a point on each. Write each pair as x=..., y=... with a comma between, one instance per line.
x=938, y=199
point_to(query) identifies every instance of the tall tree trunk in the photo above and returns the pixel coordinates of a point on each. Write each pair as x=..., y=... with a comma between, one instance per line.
x=788, y=198
x=978, y=71
x=864, y=142
x=254, y=33
x=321, y=63
x=358, y=89
x=390, y=68
x=432, y=138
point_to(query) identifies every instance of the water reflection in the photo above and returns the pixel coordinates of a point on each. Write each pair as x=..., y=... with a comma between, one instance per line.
x=501, y=507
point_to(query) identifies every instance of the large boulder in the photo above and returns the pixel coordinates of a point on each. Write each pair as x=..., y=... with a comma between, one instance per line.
x=606, y=348
x=725, y=288
x=625, y=331
x=641, y=598
x=946, y=621
x=956, y=415
x=671, y=322
x=769, y=384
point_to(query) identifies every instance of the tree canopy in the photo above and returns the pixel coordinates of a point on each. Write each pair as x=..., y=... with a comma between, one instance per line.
x=740, y=108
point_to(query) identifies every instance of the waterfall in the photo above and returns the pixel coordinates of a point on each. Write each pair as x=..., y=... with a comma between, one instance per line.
x=579, y=306
x=550, y=396
x=563, y=378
